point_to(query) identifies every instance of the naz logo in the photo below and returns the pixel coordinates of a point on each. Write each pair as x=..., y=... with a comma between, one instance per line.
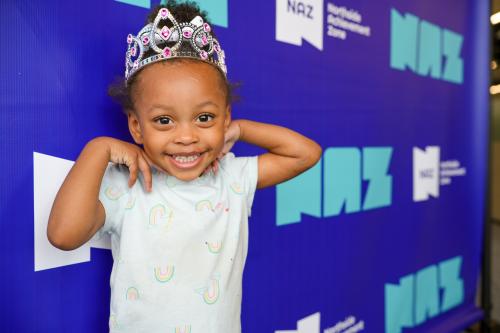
x=425, y=48
x=345, y=180
x=429, y=172
x=300, y=8
x=423, y=295
x=425, y=173
x=300, y=19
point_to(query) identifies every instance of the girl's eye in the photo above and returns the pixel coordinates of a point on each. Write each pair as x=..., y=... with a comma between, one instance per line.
x=163, y=121
x=205, y=117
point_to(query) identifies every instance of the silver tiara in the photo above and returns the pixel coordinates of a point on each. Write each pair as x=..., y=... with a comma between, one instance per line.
x=190, y=40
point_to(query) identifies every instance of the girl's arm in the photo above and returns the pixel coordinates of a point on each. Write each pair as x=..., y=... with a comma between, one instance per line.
x=77, y=213
x=289, y=153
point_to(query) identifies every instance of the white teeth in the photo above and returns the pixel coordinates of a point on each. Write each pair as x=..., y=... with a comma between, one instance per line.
x=186, y=159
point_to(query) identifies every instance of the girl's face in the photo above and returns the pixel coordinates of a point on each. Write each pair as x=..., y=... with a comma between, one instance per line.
x=180, y=116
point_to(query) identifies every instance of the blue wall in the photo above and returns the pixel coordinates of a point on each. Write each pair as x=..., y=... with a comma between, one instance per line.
x=382, y=235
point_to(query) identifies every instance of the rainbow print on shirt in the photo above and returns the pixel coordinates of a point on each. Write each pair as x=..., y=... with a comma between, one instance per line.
x=130, y=202
x=204, y=205
x=211, y=292
x=237, y=188
x=214, y=247
x=160, y=215
x=113, y=324
x=132, y=294
x=185, y=329
x=164, y=274
x=113, y=193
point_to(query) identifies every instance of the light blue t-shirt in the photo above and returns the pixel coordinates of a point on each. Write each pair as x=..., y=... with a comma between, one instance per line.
x=180, y=250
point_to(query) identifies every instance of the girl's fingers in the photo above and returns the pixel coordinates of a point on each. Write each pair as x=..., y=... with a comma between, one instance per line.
x=210, y=167
x=216, y=166
x=146, y=172
x=132, y=167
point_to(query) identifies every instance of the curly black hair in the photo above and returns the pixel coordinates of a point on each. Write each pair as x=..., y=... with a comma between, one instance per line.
x=121, y=91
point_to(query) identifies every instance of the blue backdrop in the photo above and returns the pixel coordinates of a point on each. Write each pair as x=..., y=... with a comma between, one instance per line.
x=384, y=234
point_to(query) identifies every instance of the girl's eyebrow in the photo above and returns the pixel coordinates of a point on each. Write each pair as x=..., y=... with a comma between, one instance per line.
x=160, y=106
x=169, y=108
x=207, y=103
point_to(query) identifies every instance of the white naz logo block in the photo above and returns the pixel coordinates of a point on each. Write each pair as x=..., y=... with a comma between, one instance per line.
x=309, y=324
x=426, y=173
x=48, y=175
x=300, y=19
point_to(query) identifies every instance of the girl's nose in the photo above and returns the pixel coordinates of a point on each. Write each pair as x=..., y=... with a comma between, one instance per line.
x=186, y=134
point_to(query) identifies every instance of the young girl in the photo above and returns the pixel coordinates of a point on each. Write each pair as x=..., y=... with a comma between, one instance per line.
x=176, y=204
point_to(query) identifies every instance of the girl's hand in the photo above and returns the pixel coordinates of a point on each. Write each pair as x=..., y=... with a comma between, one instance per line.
x=232, y=135
x=133, y=157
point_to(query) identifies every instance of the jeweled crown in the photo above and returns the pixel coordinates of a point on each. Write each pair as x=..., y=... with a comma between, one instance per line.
x=175, y=40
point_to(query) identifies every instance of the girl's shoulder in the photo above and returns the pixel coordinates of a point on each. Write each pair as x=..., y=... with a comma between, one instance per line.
x=239, y=167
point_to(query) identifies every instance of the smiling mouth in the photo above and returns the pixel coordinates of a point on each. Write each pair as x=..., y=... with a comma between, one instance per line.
x=185, y=160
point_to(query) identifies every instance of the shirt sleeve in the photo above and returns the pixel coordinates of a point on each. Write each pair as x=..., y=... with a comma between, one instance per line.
x=113, y=195
x=244, y=173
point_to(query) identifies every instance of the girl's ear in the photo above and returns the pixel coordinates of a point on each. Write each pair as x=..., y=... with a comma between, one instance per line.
x=134, y=127
x=227, y=121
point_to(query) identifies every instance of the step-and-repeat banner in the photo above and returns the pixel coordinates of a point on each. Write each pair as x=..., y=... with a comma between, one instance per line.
x=384, y=234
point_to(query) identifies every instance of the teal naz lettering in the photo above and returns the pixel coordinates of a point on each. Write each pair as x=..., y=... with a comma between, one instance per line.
x=423, y=295
x=217, y=9
x=425, y=48
x=335, y=185
x=299, y=8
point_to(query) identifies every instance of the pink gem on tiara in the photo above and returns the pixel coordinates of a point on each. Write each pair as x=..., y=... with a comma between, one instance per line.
x=187, y=33
x=164, y=12
x=145, y=40
x=206, y=27
x=133, y=52
x=167, y=52
x=136, y=64
x=165, y=32
x=129, y=39
x=204, y=40
x=203, y=55
x=217, y=48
